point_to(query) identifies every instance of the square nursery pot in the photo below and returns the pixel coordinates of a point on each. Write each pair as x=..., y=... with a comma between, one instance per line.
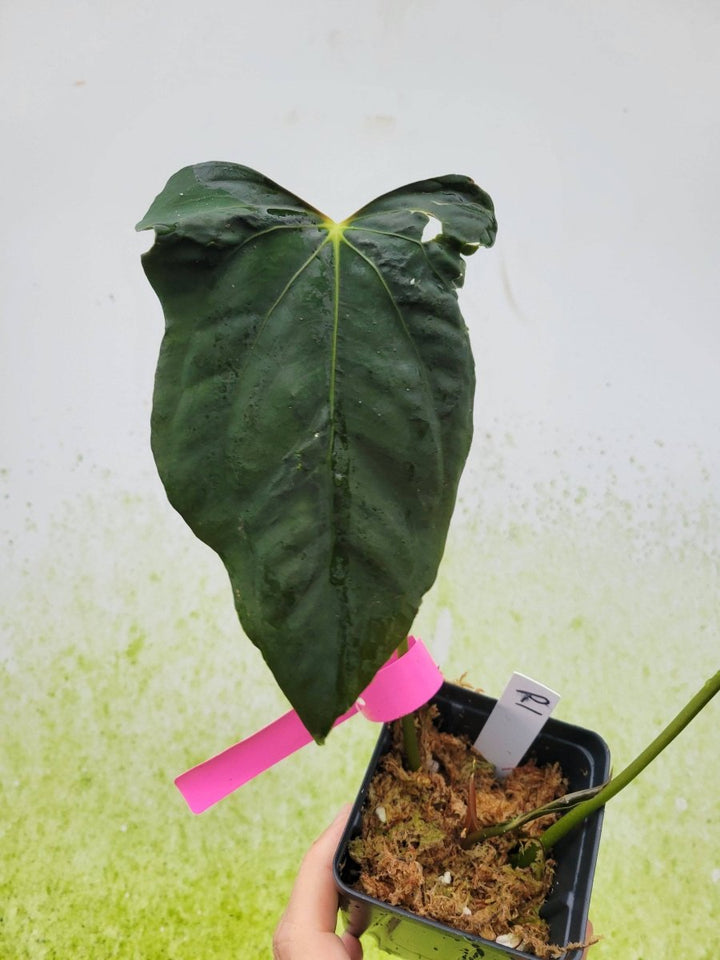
x=585, y=760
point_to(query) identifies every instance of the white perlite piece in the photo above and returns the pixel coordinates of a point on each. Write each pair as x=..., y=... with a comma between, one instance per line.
x=446, y=878
x=508, y=940
x=381, y=814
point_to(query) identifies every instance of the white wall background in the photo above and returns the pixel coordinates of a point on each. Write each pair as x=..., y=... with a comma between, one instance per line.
x=596, y=129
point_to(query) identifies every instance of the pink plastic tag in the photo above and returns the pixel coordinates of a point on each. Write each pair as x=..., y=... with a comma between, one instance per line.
x=402, y=685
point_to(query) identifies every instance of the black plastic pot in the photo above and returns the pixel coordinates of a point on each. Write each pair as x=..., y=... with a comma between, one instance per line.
x=585, y=760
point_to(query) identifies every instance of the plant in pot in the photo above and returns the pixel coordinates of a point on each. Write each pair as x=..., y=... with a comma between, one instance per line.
x=514, y=886
x=312, y=414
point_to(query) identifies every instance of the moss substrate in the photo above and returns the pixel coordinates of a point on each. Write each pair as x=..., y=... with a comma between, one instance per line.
x=409, y=851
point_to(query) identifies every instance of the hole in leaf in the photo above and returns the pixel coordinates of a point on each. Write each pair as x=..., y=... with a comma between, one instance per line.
x=143, y=241
x=433, y=229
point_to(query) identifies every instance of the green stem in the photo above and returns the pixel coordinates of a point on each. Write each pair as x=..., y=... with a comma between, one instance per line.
x=563, y=803
x=410, y=740
x=583, y=810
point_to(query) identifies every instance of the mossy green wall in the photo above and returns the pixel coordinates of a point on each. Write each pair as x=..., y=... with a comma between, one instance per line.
x=125, y=665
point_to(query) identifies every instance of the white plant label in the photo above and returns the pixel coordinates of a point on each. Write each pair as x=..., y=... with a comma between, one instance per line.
x=515, y=721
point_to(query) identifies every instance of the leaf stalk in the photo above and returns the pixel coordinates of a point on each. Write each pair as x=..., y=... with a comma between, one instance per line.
x=583, y=810
x=583, y=803
x=410, y=738
x=563, y=803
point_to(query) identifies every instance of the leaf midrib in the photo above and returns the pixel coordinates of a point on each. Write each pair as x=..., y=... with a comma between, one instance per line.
x=336, y=238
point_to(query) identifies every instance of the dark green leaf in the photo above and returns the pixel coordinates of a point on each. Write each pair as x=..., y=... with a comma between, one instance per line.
x=313, y=408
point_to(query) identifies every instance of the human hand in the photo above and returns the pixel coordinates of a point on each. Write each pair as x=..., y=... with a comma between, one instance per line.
x=307, y=928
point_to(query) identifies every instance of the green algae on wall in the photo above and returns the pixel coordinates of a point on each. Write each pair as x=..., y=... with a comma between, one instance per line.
x=122, y=665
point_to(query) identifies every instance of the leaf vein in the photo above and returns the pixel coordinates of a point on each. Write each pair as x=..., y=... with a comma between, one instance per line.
x=278, y=226
x=279, y=299
x=421, y=366
x=402, y=236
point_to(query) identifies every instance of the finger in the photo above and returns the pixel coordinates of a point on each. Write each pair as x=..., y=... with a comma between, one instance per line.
x=352, y=946
x=313, y=902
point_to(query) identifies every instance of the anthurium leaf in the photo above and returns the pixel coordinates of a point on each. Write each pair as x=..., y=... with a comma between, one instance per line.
x=313, y=408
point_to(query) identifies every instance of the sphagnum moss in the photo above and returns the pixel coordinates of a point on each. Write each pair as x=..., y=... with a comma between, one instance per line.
x=409, y=851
